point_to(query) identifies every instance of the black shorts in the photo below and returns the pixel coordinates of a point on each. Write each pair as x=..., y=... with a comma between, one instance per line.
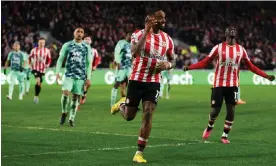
x=147, y=91
x=38, y=74
x=229, y=94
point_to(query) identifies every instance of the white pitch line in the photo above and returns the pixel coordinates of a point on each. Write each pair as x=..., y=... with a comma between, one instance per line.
x=95, y=133
x=101, y=149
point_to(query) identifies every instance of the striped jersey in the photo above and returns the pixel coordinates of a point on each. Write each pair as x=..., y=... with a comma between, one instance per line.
x=157, y=47
x=228, y=60
x=40, y=59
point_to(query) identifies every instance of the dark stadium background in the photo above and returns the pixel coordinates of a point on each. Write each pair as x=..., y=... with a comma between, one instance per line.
x=196, y=26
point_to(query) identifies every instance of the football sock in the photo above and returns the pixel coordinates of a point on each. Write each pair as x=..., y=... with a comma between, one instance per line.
x=11, y=89
x=113, y=96
x=64, y=103
x=227, y=128
x=73, y=109
x=239, y=93
x=21, y=88
x=28, y=84
x=211, y=123
x=141, y=144
x=37, y=89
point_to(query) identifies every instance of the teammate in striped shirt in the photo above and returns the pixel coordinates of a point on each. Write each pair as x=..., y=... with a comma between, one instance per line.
x=152, y=50
x=95, y=62
x=228, y=56
x=17, y=62
x=123, y=62
x=40, y=59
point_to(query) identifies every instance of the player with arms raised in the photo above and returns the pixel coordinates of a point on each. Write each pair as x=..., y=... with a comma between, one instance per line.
x=40, y=59
x=123, y=61
x=17, y=63
x=151, y=47
x=228, y=56
x=77, y=74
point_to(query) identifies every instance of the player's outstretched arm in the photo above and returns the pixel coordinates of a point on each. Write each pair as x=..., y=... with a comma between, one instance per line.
x=254, y=68
x=203, y=63
x=199, y=65
x=258, y=71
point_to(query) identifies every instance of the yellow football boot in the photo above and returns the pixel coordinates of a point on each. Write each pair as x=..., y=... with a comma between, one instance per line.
x=138, y=158
x=116, y=107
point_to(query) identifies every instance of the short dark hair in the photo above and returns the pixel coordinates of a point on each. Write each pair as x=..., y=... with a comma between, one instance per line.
x=41, y=38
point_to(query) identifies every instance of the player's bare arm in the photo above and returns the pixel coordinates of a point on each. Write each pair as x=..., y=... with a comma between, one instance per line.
x=166, y=65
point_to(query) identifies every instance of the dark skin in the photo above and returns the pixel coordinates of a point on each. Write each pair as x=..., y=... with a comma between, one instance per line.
x=154, y=23
x=230, y=34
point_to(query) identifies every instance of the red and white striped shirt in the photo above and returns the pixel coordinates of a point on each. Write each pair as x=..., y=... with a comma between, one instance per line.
x=40, y=59
x=228, y=60
x=157, y=48
x=96, y=58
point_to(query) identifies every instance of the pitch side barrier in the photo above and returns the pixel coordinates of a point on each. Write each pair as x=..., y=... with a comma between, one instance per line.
x=195, y=77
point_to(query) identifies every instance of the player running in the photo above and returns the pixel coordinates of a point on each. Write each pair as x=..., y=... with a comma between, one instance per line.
x=77, y=73
x=27, y=71
x=40, y=59
x=95, y=62
x=17, y=63
x=228, y=56
x=123, y=61
x=150, y=47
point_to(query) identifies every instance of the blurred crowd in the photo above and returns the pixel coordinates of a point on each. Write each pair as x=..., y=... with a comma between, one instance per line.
x=198, y=24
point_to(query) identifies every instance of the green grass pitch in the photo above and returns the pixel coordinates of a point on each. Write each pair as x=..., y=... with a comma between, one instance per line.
x=31, y=134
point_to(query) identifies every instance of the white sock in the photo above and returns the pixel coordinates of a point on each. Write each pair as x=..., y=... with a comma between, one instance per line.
x=224, y=135
x=138, y=152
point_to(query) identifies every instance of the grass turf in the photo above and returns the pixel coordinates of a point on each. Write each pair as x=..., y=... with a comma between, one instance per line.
x=31, y=134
